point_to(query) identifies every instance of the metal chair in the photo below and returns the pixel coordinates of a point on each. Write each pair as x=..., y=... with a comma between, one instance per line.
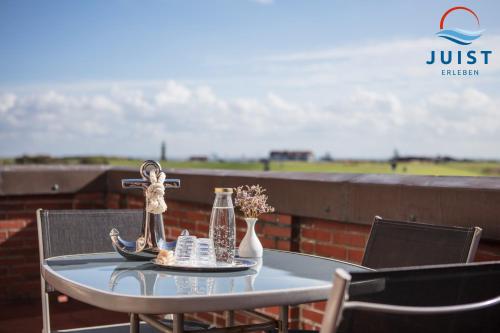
x=400, y=244
x=445, y=298
x=65, y=232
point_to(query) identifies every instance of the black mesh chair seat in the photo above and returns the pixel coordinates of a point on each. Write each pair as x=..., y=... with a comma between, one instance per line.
x=432, y=286
x=399, y=244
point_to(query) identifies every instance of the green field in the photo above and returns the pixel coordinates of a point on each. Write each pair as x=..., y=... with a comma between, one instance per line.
x=411, y=168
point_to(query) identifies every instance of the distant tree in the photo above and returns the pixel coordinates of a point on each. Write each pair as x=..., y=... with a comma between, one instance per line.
x=36, y=159
x=94, y=160
x=266, y=166
x=393, y=162
x=395, y=155
x=163, y=156
x=327, y=157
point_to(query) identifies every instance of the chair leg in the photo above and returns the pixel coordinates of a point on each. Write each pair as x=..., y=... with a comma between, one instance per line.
x=178, y=324
x=134, y=323
x=283, y=319
x=45, y=309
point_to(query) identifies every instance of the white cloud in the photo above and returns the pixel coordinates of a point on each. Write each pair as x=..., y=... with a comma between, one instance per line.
x=7, y=101
x=264, y=2
x=173, y=93
x=106, y=122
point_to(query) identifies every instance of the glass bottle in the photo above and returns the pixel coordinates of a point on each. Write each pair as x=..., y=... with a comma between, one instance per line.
x=223, y=226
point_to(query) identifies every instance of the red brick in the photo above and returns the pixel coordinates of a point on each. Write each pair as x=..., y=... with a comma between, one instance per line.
x=26, y=232
x=207, y=317
x=314, y=316
x=13, y=224
x=271, y=230
x=177, y=213
x=276, y=218
x=174, y=232
x=170, y=221
x=357, y=240
x=78, y=204
x=28, y=271
x=220, y=322
x=49, y=204
x=355, y=256
x=308, y=327
x=14, y=243
x=318, y=235
x=11, y=205
x=20, y=215
x=189, y=225
x=344, y=238
x=268, y=243
x=259, y=228
x=307, y=247
x=331, y=251
x=283, y=245
x=320, y=306
x=268, y=218
x=241, y=318
x=284, y=219
x=8, y=261
x=202, y=227
x=197, y=216
x=486, y=257
x=239, y=235
x=272, y=310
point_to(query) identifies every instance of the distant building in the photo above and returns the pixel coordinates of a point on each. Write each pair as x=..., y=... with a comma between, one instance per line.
x=163, y=156
x=292, y=155
x=199, y=158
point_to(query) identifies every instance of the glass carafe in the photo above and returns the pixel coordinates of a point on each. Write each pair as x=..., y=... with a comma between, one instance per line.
x=222, y=226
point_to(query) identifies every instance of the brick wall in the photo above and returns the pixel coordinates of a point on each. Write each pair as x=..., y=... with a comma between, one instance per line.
x=19, y=270
x=19, y=259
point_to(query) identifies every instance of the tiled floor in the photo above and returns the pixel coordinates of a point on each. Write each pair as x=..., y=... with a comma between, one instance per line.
x=27, y=317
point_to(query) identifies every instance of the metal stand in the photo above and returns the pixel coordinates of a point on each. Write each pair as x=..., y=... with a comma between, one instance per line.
x=178, y=323
x=230, y=318
x=283, y=319
x=270, y=324
x=134, y=323
x=152, y=236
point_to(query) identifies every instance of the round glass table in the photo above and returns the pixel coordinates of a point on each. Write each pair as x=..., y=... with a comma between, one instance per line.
x=108, y=281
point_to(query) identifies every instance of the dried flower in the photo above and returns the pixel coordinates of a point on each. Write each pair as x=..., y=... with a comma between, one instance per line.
x=252, y=201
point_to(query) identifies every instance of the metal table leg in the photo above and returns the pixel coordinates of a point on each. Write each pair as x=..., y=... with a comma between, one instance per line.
x=178, y=323
x=230, y=318
x=283, y=319
x=134, y=323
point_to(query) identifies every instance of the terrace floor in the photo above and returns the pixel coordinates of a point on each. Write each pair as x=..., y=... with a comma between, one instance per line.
x=27, y=317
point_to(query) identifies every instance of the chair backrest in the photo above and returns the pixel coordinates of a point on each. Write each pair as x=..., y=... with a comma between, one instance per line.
x=65, y=232
x=444, y=298
x=400, y=244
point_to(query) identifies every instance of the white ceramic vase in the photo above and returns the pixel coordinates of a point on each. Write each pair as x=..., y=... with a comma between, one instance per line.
x=250, y=246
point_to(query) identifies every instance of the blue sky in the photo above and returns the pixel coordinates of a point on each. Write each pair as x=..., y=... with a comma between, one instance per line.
x=242, y=77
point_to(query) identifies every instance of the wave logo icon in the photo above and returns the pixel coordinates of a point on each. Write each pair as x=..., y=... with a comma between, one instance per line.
x=459, y=36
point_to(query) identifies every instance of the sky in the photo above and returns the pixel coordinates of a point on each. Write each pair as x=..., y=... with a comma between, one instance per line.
x=238, y=78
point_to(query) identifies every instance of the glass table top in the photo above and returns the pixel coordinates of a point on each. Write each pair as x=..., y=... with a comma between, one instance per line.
x=276, y=271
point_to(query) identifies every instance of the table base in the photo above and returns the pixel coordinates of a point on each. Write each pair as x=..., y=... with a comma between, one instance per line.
x=269, y=323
